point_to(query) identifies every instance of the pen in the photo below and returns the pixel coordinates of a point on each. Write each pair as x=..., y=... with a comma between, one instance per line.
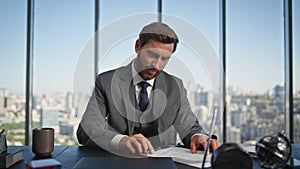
x=2, y=131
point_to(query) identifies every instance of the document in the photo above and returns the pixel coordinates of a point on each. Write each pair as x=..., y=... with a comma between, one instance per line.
x=184, y=156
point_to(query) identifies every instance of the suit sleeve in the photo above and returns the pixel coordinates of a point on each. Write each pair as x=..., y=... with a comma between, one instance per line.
x=186, y=122
x=93, y=130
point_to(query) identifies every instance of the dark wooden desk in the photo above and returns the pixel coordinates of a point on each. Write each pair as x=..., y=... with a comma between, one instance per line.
x=70, y=155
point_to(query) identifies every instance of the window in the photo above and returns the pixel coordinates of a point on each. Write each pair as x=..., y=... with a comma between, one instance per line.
x=255, y=69
x=12, y=70
x=120, y=24
x=61, y=29
x=65, y=62
x=296, y=71
x=196, y=60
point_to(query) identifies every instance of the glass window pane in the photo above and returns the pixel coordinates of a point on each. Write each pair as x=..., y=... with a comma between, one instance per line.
x=197, y=26
x=113, y=10
x=255, y=69
x=61, y=30
x=120, y=24
x=64, y=58
x=12, y=70
x=296, y=71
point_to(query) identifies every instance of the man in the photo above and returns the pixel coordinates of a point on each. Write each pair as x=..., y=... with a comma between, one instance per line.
x=134, y=108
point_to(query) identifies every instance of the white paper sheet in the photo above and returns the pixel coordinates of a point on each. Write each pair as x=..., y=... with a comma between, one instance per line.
x=184, y=156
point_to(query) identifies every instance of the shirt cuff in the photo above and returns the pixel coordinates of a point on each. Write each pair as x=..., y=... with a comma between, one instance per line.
x=212, y=136
x=199, y=134
x=116, y=140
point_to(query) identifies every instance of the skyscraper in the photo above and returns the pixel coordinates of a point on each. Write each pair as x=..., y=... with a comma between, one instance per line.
x=49, y=117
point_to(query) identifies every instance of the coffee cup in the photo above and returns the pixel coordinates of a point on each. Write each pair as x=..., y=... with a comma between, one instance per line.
x=42, y=141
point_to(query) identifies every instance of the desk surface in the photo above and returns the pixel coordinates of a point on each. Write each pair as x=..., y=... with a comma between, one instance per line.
x=70, y=155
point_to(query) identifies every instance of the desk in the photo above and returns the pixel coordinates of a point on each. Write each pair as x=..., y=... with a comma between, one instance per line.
x=70, y=155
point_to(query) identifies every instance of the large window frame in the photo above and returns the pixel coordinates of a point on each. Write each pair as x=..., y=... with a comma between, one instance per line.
x=288, y=34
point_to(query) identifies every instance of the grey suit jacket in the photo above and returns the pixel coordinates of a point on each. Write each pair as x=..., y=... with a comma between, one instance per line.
x=112, y=109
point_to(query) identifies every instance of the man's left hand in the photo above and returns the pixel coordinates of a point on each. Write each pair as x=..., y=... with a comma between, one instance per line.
x=201, y=139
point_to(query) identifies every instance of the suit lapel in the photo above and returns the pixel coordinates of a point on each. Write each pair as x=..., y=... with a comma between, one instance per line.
x=160, y=82
x=128, y=97
x=161, y=99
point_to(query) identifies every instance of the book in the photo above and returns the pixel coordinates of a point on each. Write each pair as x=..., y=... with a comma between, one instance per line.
x=8, y=159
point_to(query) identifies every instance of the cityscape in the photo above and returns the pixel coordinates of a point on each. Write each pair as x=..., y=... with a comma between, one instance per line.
x=249, y=115
x=255, y=46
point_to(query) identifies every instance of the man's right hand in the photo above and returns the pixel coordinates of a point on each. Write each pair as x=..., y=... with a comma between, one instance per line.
x=136, y=144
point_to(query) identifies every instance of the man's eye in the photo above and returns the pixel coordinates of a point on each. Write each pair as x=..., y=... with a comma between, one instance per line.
x=152, y=54
x=164, y=58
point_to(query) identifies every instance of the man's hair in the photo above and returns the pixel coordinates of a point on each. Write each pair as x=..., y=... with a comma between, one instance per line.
x=159, y=32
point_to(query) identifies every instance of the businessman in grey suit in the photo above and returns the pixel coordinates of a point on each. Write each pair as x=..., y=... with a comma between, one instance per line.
x=134, y=108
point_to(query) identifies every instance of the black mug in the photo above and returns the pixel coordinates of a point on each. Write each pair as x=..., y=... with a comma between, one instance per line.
x=42, y=141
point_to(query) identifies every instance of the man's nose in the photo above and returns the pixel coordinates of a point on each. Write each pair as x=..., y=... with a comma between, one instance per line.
x=156, y=63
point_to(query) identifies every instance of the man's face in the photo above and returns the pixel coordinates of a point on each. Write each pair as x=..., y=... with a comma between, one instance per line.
x=152, y=58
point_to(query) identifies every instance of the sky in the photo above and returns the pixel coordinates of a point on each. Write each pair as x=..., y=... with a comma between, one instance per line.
x=64, y=29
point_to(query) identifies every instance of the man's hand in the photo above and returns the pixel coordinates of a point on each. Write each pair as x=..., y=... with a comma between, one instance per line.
x=201, y=139
x=136, y=144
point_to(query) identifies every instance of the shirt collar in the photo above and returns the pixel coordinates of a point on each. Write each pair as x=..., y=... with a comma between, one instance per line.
x=137, y=78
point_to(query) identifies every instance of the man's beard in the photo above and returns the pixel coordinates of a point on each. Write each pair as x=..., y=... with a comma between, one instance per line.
x=149, y=73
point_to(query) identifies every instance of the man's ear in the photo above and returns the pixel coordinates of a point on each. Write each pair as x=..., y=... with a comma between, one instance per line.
x=137, y=45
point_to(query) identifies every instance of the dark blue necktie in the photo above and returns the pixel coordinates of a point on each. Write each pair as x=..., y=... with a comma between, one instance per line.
x=143, y=96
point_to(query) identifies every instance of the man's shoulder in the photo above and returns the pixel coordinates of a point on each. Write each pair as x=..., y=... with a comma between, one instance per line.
x=170, y=77
x=109, y=73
